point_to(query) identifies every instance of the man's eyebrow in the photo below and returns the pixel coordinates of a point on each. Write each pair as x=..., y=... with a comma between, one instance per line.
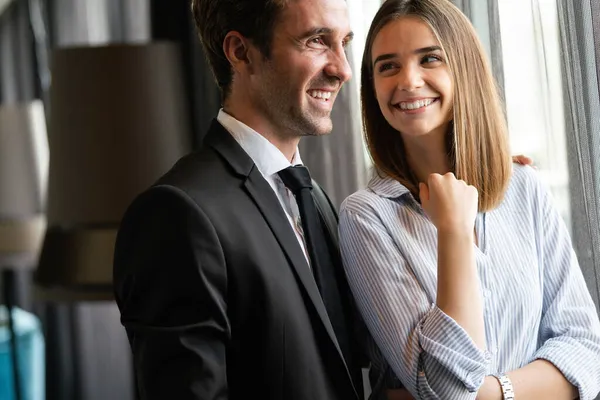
x=422, y=50
x=317, y=31
x=325, y=31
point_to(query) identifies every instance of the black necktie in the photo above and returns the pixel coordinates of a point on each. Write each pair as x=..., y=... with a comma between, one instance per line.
x=297, y=179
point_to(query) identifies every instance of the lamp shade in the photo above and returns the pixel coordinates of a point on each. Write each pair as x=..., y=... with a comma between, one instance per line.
x=118, y=121
x=23, y=178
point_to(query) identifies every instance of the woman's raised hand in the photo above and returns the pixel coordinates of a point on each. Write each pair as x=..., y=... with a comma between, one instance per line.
x=450, y=203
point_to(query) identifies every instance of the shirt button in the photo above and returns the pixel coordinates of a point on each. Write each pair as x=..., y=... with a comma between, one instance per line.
x=487, y=293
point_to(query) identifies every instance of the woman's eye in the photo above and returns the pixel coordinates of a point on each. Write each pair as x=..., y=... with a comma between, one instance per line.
x=385, y=67
x=431, y=59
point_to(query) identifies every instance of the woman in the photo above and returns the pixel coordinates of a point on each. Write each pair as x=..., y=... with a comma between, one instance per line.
x=460, y=263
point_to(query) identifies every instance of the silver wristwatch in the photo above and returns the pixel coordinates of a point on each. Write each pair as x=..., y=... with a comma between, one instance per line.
x=507, y=388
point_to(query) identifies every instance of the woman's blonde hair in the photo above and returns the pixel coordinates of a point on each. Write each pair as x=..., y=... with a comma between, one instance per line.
x=477, y=140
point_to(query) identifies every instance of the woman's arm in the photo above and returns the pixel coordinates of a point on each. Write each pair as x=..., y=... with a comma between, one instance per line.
x=538, y=380
x=452, y=207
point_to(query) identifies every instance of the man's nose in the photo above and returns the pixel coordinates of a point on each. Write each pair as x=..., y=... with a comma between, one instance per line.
x=339, y=66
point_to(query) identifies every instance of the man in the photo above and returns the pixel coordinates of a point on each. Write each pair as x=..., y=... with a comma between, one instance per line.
x=227, y=271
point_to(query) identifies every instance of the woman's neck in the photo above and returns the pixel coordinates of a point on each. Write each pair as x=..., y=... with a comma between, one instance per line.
x=427, y=155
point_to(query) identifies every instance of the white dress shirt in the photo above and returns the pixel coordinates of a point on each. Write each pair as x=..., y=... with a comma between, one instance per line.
x=269, y=160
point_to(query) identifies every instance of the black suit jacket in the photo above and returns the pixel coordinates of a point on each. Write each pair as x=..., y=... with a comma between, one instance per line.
x=215, y=292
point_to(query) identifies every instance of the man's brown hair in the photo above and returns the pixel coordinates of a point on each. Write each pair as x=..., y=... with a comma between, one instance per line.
x=254, y=19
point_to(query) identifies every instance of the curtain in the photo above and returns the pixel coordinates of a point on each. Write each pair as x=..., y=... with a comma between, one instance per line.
x=484, y=16
x=580, y=50
x=17, y=68
x=173, y=21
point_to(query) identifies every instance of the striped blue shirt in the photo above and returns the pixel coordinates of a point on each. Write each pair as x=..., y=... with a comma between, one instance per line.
x=536, y=303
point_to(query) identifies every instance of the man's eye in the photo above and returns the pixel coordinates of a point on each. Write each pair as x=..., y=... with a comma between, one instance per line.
x=317, y=40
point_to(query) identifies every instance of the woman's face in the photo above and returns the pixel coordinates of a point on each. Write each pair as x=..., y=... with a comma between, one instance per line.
x=412, y=81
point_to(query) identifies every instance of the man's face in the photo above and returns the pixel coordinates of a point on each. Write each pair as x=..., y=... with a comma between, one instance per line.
x=296, y=86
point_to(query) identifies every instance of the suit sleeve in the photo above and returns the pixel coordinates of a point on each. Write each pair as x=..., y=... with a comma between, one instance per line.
x=170, y=284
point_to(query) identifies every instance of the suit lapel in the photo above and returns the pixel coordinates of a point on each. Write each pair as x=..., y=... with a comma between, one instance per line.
x=271, y=210
x=268, y=204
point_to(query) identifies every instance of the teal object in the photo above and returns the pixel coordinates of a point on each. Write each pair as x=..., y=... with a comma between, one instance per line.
x=31, y=353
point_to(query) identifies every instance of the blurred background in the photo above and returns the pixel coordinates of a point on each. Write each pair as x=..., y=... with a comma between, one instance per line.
x=100, y=97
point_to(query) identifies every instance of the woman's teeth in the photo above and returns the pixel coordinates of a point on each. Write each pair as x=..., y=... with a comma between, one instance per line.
x=414, y=105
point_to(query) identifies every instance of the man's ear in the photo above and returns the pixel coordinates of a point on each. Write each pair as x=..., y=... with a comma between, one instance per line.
x=238, y=50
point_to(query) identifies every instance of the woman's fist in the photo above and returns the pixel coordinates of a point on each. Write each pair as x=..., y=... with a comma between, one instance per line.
x=450, y=203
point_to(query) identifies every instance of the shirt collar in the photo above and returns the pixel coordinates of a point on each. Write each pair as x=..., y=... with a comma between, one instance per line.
x=386, y=186
x=268, y=158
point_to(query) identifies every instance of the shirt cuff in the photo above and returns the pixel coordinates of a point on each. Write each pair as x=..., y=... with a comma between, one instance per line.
x=450, y=345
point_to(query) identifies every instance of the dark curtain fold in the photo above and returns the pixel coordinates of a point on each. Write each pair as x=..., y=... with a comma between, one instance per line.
x=173, y=21
x=465, y=6
x=496, y=44
x=17, y=63
x=595, y=7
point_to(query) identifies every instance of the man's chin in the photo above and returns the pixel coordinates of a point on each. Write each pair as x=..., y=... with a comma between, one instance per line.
x=319, y=127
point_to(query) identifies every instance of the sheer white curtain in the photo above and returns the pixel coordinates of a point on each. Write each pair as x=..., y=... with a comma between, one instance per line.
x=550, y=56
x=533, y=91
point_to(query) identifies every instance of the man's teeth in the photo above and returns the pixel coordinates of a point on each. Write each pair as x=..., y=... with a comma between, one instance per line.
x=415, y=104
x=317, y=94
